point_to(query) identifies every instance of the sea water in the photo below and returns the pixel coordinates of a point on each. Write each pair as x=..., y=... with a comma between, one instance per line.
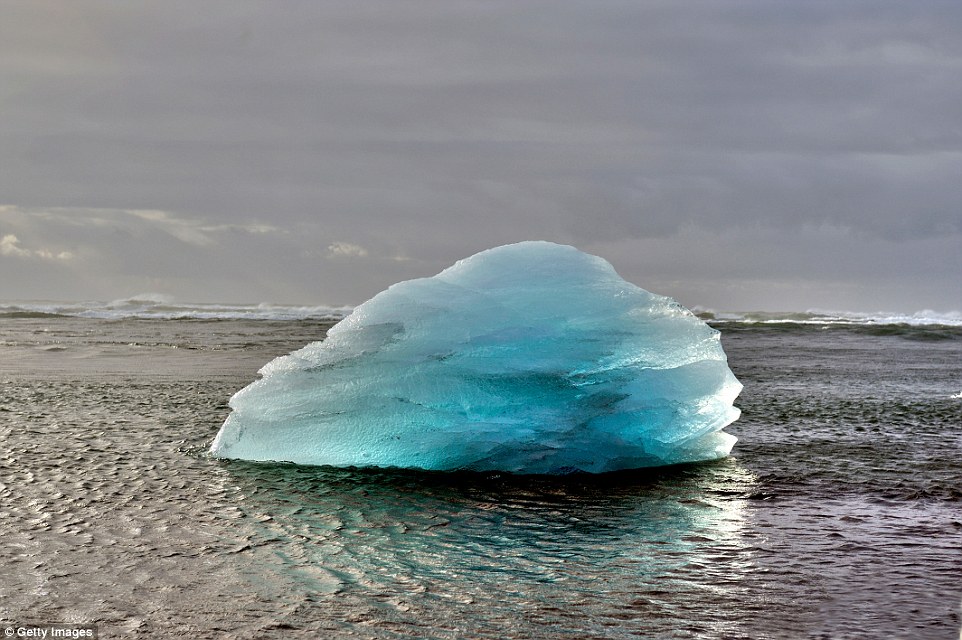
x=838, y=514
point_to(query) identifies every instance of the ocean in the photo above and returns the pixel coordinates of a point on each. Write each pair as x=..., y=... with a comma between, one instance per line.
x=839, y=514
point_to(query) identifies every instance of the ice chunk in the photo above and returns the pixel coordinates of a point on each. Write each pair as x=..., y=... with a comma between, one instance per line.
x=531, y=358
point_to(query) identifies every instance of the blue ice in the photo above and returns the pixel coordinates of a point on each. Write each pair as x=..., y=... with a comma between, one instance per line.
x=530, y=358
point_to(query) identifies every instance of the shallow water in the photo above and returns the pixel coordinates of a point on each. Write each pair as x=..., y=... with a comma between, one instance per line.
x=839, y=515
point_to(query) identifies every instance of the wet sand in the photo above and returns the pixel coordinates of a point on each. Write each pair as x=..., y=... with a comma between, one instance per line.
x=112, y=514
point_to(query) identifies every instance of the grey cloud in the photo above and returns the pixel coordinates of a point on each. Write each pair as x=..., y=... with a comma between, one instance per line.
x=433, y=130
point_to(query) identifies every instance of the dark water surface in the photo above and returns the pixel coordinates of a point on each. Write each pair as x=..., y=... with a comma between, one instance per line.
x=838, y=516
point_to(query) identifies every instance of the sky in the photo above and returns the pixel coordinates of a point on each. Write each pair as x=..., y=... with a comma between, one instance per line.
x=733, y=154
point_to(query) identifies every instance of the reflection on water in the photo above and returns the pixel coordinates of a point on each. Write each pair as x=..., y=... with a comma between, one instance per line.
x=656, y=552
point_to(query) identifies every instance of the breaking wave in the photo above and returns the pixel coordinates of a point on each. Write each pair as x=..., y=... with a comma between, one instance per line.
x=160, y=307
x=926, y=318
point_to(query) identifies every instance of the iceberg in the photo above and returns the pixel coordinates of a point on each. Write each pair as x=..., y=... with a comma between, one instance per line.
x=527, y=358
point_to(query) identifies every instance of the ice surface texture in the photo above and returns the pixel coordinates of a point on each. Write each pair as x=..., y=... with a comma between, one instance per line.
x=531, y=358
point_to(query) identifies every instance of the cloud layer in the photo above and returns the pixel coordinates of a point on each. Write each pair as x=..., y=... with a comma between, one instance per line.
x=737, y=155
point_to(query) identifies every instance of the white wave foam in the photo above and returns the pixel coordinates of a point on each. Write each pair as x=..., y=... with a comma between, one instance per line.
x=820, y=317
x=159, y=307
x=141, y=299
